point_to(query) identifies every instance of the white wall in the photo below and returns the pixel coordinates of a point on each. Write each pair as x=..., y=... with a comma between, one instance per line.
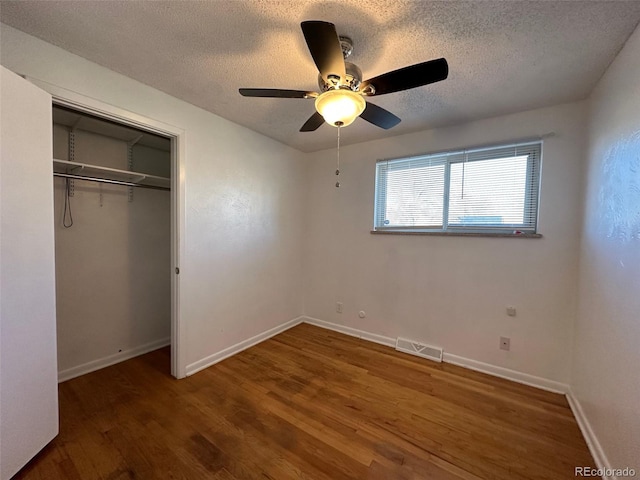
x=452, y=291
x=244, y=200
x=113, y=268
x=607, y=354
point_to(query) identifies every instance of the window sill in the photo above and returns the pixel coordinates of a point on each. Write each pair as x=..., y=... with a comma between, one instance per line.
x=457, y=234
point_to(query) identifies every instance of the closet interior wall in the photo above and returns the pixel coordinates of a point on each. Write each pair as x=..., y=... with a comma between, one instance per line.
x=113, y=287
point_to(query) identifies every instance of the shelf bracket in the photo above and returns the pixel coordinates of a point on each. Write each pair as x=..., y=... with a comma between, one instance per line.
x=130, y=161
x=139, y=178
x=72, y=157
x=130, y=167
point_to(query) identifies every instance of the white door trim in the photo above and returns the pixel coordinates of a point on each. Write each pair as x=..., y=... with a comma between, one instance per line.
x=77, y=101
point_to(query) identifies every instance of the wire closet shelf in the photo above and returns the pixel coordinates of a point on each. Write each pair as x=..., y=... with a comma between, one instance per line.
x=113, y=176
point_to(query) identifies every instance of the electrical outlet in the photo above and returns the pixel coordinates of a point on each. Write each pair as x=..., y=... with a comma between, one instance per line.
x=339, y=307
x=505, y=343
x=511, y=311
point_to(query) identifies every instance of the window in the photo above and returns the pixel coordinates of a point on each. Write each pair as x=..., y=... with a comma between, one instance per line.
x=483, y=190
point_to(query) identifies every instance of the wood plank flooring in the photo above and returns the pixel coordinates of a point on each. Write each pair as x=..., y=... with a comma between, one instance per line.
x=308, y=404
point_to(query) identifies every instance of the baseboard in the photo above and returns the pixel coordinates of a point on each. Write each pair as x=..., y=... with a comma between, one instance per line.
x=506, y=373
x=94, y=365
x=239, y=347
x=354, y=332
x=589, y=436
x=513, y=375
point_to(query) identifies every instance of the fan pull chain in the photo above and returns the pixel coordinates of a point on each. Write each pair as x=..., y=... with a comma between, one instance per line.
x=338, y=157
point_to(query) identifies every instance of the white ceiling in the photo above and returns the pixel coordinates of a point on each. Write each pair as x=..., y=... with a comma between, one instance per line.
x=504, y=56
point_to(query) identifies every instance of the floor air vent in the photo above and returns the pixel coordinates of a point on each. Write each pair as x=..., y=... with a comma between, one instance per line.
x=419, y=349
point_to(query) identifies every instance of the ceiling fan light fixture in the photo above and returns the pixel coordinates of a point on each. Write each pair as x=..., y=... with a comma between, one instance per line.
x=340, y=107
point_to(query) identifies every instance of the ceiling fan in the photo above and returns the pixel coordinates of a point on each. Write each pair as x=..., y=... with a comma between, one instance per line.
x=341, y=99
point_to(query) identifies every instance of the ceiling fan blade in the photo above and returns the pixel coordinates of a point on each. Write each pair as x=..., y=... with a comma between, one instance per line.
x=313, y=123
x=275, y=93
x=324, y=46
x=408, y=77
x=379, y=116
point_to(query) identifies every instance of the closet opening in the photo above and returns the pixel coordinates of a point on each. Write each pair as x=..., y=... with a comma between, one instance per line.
x=115, y=241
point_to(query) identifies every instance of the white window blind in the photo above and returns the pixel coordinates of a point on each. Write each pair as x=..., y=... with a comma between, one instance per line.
x=477, y=190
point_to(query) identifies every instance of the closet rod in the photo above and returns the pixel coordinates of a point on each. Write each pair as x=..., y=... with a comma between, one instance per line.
x=106, y=180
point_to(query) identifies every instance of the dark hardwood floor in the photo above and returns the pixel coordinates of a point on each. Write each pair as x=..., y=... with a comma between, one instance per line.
x=308, y=404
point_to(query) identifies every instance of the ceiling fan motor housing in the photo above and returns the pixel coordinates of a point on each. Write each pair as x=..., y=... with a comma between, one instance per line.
x=347, y=46
x=352, y=80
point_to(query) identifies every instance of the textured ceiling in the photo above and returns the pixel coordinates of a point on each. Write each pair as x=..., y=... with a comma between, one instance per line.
x=504, y=56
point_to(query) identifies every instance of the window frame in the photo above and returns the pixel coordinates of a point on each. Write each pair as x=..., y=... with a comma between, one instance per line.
x=532, y=188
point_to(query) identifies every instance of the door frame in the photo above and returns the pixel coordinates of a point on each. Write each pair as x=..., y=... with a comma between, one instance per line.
x=67, y=98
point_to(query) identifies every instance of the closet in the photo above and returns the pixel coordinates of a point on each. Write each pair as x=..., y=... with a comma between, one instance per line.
x=112, y=241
